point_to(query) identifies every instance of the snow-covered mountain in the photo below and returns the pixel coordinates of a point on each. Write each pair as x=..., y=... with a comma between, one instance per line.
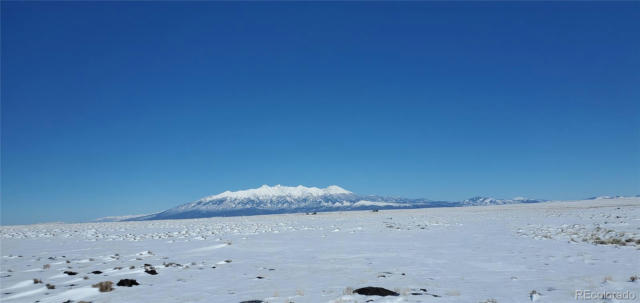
x=268, y=192
x=477, y=201
x=604, y=197
x=289, y=199
x=284, y=199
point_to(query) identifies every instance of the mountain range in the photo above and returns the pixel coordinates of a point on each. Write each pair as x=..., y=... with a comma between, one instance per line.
x=295, y=199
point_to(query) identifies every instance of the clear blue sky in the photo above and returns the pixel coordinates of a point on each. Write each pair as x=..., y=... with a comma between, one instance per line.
x=122, y=108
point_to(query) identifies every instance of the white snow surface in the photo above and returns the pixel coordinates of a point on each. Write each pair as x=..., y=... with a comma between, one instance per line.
x=266, y=191
x=498, y=253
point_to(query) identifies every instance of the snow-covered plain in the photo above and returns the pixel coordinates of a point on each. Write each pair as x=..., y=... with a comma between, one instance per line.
x=461, y=254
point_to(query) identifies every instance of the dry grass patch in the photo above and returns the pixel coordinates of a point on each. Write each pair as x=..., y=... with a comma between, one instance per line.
x=105, y=286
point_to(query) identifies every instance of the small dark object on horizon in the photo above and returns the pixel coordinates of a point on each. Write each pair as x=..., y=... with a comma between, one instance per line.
x=375, y=291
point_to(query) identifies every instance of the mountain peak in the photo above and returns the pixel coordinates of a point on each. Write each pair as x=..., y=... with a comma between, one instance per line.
x=266, y=191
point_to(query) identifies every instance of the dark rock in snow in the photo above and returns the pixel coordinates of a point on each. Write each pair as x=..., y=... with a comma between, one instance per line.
x=127, y=282
x=71, y=273
x=150, y=269
x=96, y=272
x=172, y=264
x=375, y=291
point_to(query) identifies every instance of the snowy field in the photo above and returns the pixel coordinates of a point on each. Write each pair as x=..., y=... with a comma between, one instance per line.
x=468, y=254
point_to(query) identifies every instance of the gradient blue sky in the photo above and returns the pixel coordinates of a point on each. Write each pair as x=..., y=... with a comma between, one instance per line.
x=122, y=108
